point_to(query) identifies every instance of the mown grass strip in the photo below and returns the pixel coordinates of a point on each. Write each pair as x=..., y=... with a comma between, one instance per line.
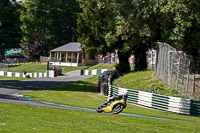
x=25, y=118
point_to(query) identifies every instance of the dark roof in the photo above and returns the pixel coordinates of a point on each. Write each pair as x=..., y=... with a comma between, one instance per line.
x=70, y=47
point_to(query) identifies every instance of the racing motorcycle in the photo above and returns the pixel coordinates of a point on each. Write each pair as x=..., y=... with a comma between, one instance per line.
x=113, y=105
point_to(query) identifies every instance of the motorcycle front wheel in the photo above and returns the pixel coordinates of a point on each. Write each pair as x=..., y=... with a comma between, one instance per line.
x=117, y=109
x=99, y=109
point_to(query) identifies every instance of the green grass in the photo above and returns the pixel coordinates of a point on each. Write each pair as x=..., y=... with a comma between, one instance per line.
x=82, y=94
x=32, y=119
x=107, y=66
x=66, y=69
x=39, y=67
x=29, y=67
x=7, y=79
x=102, y=66
x=145, y=81
x=79, y=94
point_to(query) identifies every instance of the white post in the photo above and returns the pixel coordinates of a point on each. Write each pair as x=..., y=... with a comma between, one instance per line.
x=66, y=57
x=72, y=55
x=50, y=55
x=77, y=58
x=60, y=56
x=57, y=56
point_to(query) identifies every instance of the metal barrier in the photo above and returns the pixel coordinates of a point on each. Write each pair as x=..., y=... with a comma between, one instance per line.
x=173, y=67
x=166, y=103
x=93, y=72
x=48, y=73
x=3, y=67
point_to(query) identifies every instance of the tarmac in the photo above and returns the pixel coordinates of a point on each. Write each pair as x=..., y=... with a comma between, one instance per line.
x=10, y=92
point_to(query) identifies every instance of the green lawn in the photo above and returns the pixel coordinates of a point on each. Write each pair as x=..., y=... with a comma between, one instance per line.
x=107, y=66
x=29, y=67
x=66, y=69
x=82, y=94
x=39, y=67
x=32, y=119
x=7, y=79
x=102, y=66
x=145, y=81
x=25, y=118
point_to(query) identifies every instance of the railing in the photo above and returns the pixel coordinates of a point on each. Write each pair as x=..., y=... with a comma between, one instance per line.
x=55, y=59
x=3, y=67
x=173, y=67
x=108, y=60
x=93, y=72
x=151, y=100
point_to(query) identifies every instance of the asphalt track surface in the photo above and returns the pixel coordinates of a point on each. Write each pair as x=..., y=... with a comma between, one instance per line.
x=10, y=93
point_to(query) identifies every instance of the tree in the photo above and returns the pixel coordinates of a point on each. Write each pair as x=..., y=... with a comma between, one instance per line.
x=62, y=20
x=132, y=26
x=185, y=19
x=32, y=17
x=47, y=24
x=124, y=29
x=93, y=24
x=98, y=30
x=10, y=32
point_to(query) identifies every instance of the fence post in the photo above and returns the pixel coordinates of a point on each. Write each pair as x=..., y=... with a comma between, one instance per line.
x=172, y=63
x=168, y=68
x=177, y=76
x=170, y=71
x=193, y=90
x=188, y=72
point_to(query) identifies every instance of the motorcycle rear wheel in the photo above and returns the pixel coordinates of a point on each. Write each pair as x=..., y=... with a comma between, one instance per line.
x=117, y=109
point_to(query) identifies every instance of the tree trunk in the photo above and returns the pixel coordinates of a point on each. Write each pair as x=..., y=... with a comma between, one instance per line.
x=140, y=58
x=124, y=65
x=2, y=54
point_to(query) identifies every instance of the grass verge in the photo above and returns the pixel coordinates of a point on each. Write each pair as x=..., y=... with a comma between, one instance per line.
x=82, y=94
x=8, y=79
x=102, y=66
x=31, y=119
x=39, y=67
x=145, y=81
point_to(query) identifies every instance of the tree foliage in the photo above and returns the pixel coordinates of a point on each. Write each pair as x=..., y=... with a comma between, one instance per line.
x=47, y=24
x=136, y=25
x=126, y=26
x=10, y=32
x=93, y=25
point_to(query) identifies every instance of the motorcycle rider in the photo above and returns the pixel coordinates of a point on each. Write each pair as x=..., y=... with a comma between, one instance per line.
x=111, y=99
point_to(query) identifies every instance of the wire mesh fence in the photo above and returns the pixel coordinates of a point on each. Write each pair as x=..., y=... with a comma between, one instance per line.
x=3, y=67
x=173, y=67
x=108, y=59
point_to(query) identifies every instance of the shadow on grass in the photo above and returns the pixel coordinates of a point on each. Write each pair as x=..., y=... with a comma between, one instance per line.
x=8, y=80
x=13, y=65
x=80, y=86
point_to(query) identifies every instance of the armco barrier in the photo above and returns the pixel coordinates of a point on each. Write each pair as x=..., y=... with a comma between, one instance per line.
x=167, y=103
x=93, y=72
x=32, y=75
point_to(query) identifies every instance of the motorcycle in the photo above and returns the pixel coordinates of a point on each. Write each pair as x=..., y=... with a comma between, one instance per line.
x=114, y=105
